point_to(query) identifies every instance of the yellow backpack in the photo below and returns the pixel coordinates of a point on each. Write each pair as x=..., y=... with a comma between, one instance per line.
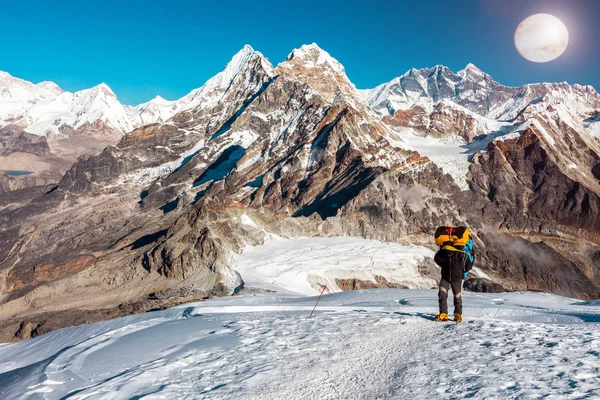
x=457, y=236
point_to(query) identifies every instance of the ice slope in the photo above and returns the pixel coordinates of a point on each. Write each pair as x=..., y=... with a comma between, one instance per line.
x=360, y=345
x=301, y=265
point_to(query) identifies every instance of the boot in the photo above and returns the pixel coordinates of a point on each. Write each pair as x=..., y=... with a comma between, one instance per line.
x=442, y=317
x=458, y=318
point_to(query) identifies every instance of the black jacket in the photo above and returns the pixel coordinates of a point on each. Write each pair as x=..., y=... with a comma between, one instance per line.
x=453, y=263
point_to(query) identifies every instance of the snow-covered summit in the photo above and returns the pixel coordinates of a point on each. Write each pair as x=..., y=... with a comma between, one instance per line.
x=67, y=113
x=212, y=90
x=316, y=67
x=20, y=93
x=312, y=55
x=156, y=110
x=209, y=94
x=44, y=108
x=470, y=69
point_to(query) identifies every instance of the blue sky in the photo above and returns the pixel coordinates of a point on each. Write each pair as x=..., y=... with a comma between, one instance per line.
x=144, y=48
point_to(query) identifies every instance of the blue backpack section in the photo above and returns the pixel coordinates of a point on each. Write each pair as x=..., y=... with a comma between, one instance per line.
x=468, y=248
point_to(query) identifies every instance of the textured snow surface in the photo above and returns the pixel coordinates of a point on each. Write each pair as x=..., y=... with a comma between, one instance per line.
x=299, y=265
x=359, y=345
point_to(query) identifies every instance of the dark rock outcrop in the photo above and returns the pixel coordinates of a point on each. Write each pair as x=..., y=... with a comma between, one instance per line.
x=357, y=284
x=14, y=139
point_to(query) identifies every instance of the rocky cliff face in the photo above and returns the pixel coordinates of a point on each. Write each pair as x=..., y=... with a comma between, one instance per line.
x=153, y=219
x=14, y=139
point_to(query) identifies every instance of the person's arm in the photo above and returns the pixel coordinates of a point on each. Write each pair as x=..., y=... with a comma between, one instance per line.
x=438, y=258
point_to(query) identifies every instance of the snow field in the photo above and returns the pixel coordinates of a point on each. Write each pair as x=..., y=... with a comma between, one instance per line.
x=302, y=265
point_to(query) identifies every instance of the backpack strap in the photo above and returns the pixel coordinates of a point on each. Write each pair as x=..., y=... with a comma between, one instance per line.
x=452, y=248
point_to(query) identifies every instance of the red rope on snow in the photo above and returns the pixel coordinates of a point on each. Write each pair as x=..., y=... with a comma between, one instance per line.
x=318, y=298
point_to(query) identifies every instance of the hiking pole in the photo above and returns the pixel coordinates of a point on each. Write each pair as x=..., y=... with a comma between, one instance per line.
x=318, y=298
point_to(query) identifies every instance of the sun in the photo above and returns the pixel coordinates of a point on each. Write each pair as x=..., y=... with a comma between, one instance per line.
x=541, y=38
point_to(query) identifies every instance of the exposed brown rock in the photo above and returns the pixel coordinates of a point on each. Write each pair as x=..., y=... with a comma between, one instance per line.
x=444, y=121
x=18, y=278
x=357, y=284
x=14, y=139
x=483, y=286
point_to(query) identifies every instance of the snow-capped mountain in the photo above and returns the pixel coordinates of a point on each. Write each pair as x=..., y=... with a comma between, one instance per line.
x=260, y=152
x=44, y=109
x=209, y=94
x=321, y=71
x=442, y=114
x=17, y=92
x=474, y=90
x=90, y=110
x=156, y=110
x=17, y=95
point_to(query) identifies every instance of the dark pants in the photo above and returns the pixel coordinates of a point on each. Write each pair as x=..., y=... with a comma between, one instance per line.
x=443, y=296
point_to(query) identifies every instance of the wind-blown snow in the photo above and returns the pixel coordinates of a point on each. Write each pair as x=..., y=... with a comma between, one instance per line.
x=359, y=345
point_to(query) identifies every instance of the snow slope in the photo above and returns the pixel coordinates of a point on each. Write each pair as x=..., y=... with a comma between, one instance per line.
x=453, y=154
x=360, y=345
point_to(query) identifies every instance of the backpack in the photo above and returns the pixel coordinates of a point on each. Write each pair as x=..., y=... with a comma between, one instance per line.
x=456, y=238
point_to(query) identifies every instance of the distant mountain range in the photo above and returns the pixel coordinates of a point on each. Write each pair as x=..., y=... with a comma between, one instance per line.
x=45, y=109
x=297, y=150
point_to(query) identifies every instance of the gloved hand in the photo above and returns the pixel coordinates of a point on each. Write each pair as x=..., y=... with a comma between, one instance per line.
x=465, y=275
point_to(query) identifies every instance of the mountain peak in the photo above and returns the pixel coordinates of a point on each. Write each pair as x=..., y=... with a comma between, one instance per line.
x=51, y=86
x=240, y=60
x=305, y=48
x=471, y=69
x=103, y=89
x=312, y=56
x=159, y=100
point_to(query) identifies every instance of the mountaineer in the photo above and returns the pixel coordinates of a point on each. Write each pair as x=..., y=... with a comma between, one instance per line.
x=455, y=258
